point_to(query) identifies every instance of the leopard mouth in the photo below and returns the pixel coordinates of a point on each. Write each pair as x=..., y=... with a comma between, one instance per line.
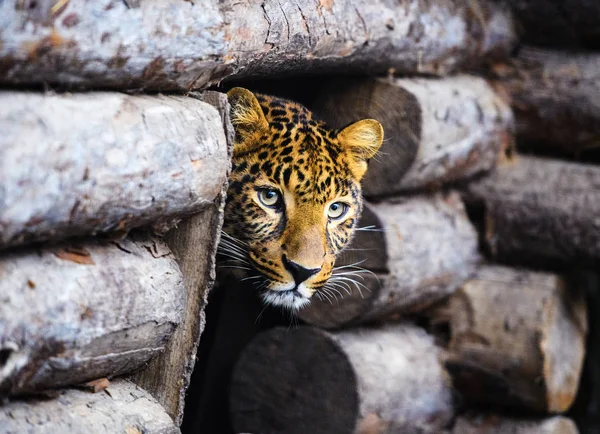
x=289, y=298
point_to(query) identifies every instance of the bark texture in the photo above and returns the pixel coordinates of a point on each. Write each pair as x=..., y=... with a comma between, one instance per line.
x=436, y=131
x=555, y=97
x=420, y=250
x=357, y=381
x=517, y=339
x=123, y=407
x=185, y=45
x=492, y=424
x=541, y=212
x=73, y=313
x=87, y=163
x=194, y=243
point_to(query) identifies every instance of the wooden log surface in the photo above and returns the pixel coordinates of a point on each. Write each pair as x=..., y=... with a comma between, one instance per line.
x=517, y=338
x=495, y=424
x=541, y=212
x=122, y=407
x=436, y=131
x=175, y=45
x=555, y=96
x=420, y=250
x=73, y=313
x=194, y=243
x=558, y=23
x=87, y=163
x=362, y=381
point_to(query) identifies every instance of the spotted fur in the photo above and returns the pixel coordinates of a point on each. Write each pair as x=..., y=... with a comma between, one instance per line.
x=281, y=151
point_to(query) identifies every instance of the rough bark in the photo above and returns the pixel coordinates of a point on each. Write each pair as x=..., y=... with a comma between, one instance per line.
x=517, y=338
x=87, y=163
x=541, y=212
x=73, y=313
x=558, y=23
x=123, y=407
x=194, y=243
x=492, y=424
x=421, y=249
x=436, y=131
x=184, y=45
x=357, y=381
x=555, y=97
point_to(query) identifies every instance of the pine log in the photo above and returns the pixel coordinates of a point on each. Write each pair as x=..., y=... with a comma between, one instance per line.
x=358, y=381
x=437, y=131
x=184, y=45
x=73, y=313
x=555, y=97
x=420, y=250
x=123, y=407
x=81, y=164
x=517, y=338
x=492, y=424
x=541, y=212
x=558, y=23
x=194, y=243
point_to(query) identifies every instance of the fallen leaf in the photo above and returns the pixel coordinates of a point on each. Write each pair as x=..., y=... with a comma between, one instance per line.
x=98, y=385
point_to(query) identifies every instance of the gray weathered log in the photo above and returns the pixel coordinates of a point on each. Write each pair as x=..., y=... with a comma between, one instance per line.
x=517, y=338
x=496, y=424
x=555, y=97
x=436, y=131
x=541, y=212
x=72, y=313
x=194, y=243
x=86, y=163
x=372, y=380
x=421, y=249
x=122, y=408
x=558, y=23
x=184, y=45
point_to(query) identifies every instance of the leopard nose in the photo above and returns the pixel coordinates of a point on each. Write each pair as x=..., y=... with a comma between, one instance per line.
x=298, y=272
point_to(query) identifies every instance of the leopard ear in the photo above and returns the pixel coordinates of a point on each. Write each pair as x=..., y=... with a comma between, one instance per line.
x=362, y=140
x=246, y=115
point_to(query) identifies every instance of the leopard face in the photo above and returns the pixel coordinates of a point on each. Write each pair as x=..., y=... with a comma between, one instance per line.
x=294, y=196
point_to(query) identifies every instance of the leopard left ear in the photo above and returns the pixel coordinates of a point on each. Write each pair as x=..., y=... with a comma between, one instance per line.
x=246, y=116
x=362, y=139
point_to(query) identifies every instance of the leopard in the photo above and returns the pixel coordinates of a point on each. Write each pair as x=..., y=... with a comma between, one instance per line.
x=294, y=195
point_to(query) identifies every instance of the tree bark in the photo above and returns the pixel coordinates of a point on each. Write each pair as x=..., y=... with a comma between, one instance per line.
x=121, y=408
x=194, y=243
x=82, y=164
x=357, y=381
x=421, y=249
x=555, y=97
x=175, y=45
x=73, y=313
x=517, y=338
x=558, y=23
x=541, y=212
x=492, y=424
x=437, y=131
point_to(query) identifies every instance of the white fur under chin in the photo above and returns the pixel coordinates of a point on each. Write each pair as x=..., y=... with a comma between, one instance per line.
x=287, y=298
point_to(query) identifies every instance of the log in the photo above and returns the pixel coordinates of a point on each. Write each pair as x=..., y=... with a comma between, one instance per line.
x=420, y=249
x=194, y=243
x=190, y=45
x=355, y=381
x=540, y=212
x=558, y=23
x=73, y=313
x=493, y=424
x=437, y=131
x=123, y=407
x=517, y=338
x=91, y=163
x=555, y=97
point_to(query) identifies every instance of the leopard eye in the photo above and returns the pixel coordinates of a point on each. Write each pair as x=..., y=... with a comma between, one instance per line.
x=268, y=197
x=337, y=210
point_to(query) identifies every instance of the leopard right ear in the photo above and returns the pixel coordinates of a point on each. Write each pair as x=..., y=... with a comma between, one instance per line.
x=246, y=115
